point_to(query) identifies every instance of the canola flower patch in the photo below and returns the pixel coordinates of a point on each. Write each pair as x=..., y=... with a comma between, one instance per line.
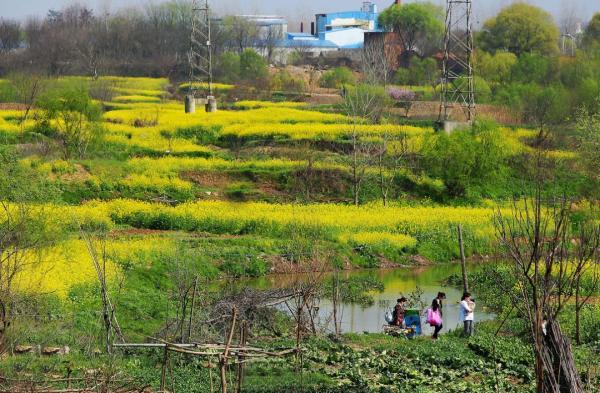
x=327, y=220
x=136, y=98
x=173, y=165
x=250, y=104
x=204, y=86
x=381, y=240
x=150, y=138
x=150, y=183
x=139, y=92
x=274, y=121
x=321, y=131
x=57, y=269
x=171, y=115
x=137, y=83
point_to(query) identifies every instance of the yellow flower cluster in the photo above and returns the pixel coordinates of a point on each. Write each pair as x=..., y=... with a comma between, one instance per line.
x=138, y=92
x=174, y=165
x=249, y=104
x=137, y=83
x=321, y=131
x=151, y=182
x=383, y=240
x=515, y=143
x=9, y=121
x=204, y=86
x=57, y=269
x=150, y=138
x=268, y=218
x=136, y=98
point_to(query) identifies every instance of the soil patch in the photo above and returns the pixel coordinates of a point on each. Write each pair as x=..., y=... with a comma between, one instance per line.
x=207, y=179
x=80, y=174
x=430, y=110
x=12, y=106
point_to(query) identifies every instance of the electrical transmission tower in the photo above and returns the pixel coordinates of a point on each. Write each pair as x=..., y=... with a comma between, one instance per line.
x=200, y=58
x=457, y=79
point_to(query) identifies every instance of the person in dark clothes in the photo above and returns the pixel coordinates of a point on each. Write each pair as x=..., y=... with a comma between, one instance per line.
x=400, y=311
x=437, y=305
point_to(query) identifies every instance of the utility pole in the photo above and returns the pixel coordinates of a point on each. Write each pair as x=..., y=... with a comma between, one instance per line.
x=200, y=58
x=463, y=261
x=457, y=80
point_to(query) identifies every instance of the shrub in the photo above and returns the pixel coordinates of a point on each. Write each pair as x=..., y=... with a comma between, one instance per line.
x=483, y=92
x=534, y=68
x=467, y=158
x=404, y=98
x=252, y=66
x=283, y=80
x=75, y=117
x=228, y=68
x=337, y=77
x=419, y=72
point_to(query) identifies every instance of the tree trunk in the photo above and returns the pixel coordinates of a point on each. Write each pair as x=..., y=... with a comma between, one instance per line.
x=559, y=374
x=577, y=314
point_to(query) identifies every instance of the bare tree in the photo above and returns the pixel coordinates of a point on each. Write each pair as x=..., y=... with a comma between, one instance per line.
x=97, y=249
x=302, y=51
x=568, y=17
x=586, y=276
x=19, y=242
x=391, y=157
x=243, y=33
x=28, y=88
x=268, y=41
x=537, y=237
x=361, y=103
x=24, y=233
x=377, y=61
x=10, y=35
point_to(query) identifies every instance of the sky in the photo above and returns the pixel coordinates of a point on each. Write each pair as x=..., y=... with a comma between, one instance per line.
x=296, y=10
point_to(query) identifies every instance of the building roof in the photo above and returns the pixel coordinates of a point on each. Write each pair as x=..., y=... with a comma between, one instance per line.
x=307, y=43
x=264, y=20
x=300, y=35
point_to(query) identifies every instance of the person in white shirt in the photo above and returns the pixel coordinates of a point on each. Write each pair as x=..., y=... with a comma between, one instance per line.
x=467, y=308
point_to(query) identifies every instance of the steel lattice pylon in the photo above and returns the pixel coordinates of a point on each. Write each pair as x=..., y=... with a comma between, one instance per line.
x=200, y=54
x=457, y=79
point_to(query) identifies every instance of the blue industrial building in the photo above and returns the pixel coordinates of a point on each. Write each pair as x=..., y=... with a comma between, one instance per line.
x=336, y=30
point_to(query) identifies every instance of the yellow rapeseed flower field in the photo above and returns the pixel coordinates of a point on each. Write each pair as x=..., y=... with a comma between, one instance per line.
x=381, y=240
x=321, y=131
x=250, y=104
x=57, y=269
x=333, y=220
x=204, y=86
x=136, y=98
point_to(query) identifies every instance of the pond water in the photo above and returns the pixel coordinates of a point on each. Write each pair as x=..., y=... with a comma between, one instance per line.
x=397, y=282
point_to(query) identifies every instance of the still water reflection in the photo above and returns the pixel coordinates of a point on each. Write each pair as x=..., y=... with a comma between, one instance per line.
x=397, y=282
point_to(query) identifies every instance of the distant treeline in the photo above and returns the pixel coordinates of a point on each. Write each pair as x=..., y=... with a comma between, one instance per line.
x=152, y=40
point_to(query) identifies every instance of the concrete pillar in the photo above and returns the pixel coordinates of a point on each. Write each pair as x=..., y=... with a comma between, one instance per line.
x=451, y=126
x=211, y=104
x=190, y=104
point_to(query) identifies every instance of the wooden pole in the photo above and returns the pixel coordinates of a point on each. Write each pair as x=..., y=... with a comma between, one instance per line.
x=210, y=366
x=463, y=262
x=225, y=355
x=163, y=374
x=189, y=332
x=240, y=370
